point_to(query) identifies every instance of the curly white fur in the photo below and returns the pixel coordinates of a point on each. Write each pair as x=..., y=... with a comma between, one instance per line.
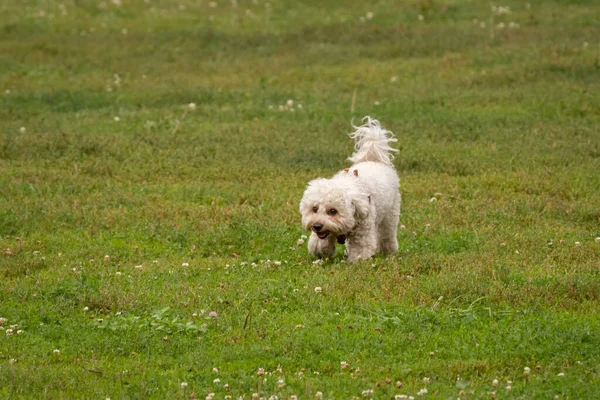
x=359, y=205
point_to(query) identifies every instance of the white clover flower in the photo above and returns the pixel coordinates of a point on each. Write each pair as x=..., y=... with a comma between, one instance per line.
x=139, y=266
x=367, y=393
x=260, y=371
x=117, y=119
x=370, y=15
x=526, y=370
x=495, y=382
x=400, y=397
x=118, y=273
x=276, y=262
x=56, y=352
x=255, y=396
x=107, y=258
x=184, y=385
x=319, y=395
x=561, y=374
x=13, y=361
x=290, y=103
x=318, y=289
x=501, y=10
x=303, y=237
x=20, y=332
x=422, y=392
x=185, y=264
x=216, y=380
x=317, y=262
x=300, y=242
x=192, y=106
x=421, y=17
x=214, y=370
x=9, y=332
x=3, y=321
x=22, y=129
x=426, y=380
x=577, y=243
x=344, y=365
x=508, y=387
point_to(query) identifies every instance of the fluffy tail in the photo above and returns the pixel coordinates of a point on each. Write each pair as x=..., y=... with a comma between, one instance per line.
x=372, y=143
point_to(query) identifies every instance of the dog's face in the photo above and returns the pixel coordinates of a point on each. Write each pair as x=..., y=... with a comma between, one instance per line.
x=328, y=208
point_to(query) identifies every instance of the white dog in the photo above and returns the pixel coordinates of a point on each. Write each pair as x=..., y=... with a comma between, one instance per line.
x=359, y=206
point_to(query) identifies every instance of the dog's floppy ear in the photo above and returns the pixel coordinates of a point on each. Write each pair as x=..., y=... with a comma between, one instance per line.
x=361, y=207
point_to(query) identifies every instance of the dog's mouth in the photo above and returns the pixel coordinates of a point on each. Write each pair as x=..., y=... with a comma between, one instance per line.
x=322, y=234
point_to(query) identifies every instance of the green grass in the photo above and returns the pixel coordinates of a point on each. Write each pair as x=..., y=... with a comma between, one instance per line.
x=499, y=261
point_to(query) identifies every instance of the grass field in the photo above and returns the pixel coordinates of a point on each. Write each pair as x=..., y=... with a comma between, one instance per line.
x=151, y=250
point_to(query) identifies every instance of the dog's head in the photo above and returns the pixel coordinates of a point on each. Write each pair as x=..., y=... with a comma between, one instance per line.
x=329, y=207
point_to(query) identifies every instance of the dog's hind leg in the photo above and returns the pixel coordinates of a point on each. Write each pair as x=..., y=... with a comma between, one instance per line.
x=388, y=240
x=388, y=230
x=321, y=247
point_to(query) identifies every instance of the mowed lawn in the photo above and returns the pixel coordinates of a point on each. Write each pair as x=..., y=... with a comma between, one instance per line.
x=150, y=249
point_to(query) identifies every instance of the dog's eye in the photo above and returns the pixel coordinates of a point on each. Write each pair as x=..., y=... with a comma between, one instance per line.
x=315, y=209
x=333, y=211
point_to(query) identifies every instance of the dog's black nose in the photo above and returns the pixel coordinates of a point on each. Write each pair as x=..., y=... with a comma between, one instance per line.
x=317, y=227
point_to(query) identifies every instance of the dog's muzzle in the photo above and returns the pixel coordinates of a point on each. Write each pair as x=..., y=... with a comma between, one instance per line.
x=321, y=234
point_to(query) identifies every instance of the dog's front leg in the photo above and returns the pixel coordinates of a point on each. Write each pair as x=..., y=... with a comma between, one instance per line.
x=361, y=245
x=321, y=247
